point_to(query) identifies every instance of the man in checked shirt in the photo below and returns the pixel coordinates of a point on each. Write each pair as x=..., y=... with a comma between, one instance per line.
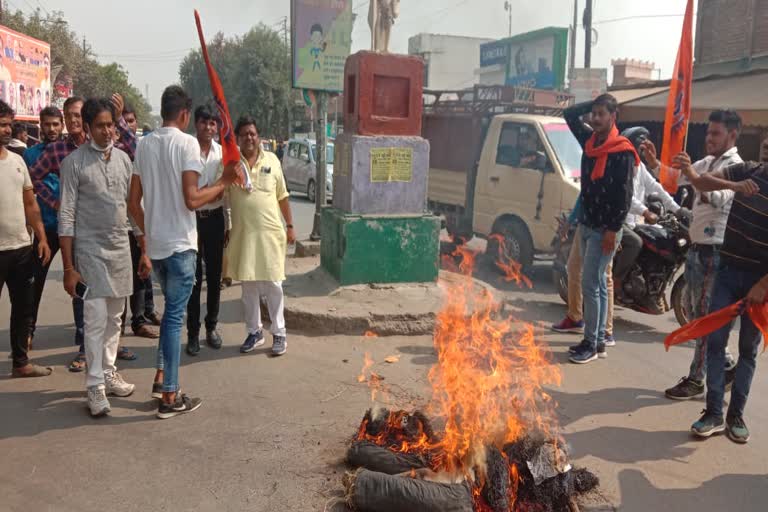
x=45, y=175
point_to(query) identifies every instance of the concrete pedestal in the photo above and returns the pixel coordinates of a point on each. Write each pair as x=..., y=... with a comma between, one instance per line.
x=380, y=175
x=361, y=249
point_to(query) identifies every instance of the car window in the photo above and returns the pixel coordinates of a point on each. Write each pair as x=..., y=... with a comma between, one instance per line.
x=293, y=150
x=520, y=146
x=304, y=152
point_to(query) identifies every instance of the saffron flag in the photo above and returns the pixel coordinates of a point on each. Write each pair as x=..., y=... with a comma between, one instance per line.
x=678, y=105
x=707, y=325
x=230, y=151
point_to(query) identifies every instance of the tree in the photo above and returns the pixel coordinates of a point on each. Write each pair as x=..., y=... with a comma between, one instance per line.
x=254, y=71
x=69, y=58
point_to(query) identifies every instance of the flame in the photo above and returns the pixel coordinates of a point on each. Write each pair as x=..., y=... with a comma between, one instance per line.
x=513, y=271
x=487, y=385
x=370, y=334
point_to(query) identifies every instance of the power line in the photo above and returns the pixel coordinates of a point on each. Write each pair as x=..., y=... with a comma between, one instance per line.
x=638, y=17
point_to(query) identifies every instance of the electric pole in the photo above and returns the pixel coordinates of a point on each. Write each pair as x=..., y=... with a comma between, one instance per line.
x=588, y=35
x=321, y=139
x=508, y=8
x=574, y=38
x=289, y=106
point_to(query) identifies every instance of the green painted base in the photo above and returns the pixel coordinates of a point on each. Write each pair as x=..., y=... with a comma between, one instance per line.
x=361, y=249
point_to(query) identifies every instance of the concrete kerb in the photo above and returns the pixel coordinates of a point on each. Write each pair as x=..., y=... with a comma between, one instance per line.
x=316, y=305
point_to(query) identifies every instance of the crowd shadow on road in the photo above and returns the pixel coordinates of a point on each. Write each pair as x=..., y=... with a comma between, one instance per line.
x=725, y=492
x=29, y=413
x=629, y=446
x=575, y=406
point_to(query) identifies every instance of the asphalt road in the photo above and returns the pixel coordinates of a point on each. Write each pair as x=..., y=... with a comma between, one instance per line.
x=271, y=434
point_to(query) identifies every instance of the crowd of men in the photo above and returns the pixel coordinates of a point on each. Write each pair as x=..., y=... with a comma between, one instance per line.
x=120, y=209
x=727, y=262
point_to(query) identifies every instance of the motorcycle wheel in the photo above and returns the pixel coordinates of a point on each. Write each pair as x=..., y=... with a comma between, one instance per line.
x=560, y=280
x=680, y=301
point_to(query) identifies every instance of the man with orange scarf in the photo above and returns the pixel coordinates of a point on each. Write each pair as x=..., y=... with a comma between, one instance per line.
x=607, y=169
x=743, y=274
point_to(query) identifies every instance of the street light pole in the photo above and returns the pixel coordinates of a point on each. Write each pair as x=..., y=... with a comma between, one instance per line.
x=321, y=136
x=588, y=35
x=574, y=38
x=508, y=8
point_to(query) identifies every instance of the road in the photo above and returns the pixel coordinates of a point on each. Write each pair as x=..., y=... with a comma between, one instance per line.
x=271, y=434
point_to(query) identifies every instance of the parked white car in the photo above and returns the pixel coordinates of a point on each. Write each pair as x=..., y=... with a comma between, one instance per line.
x=299, y=168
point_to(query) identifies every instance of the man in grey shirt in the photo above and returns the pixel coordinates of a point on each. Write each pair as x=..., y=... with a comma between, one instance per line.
x=93, y=232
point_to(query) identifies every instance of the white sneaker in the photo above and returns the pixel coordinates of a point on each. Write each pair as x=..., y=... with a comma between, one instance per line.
x=97, y=401
x=116, y=386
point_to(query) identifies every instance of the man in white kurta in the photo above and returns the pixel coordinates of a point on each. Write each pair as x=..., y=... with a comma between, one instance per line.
x=258, y=239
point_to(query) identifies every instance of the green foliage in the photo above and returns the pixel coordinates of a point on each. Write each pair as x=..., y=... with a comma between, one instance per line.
x=255, y=73
x=71, y=58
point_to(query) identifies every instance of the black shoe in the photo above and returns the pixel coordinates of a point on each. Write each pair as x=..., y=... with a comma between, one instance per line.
x=584, y=355
x=708, y=425
x=730, y=376
x=686, y=389
x=575, y=348
x=182, y=405
x=193, y=345
x=736, y=429
x=157, y=390
x=602, y=353
x=213, y=339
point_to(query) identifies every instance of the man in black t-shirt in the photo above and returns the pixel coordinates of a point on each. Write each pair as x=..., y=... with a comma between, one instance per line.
x=743, y=273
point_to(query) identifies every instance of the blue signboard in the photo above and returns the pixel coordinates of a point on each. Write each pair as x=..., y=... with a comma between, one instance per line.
x=493, y=53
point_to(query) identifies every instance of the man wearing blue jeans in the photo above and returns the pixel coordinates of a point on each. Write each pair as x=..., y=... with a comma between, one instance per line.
x=607, y=170
x=743, y=274
x=166, y=176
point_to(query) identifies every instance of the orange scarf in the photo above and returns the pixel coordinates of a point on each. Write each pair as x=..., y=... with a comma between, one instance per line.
x=615, y=143
x=707, y=325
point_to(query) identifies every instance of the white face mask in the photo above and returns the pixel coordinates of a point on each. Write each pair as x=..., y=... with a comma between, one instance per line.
x=99, y=148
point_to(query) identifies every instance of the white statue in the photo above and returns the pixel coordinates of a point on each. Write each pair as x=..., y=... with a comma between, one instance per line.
x=381, y=16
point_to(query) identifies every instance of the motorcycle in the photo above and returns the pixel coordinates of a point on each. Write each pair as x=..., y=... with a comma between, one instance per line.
x=659, y=267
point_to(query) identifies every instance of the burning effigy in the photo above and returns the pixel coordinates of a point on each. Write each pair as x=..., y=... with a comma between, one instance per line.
x=488, y=439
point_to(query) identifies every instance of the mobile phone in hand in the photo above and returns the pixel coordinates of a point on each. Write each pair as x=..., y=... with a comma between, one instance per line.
x=81, y=290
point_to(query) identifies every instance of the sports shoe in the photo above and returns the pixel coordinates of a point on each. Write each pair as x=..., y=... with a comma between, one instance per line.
x=116, y=386
x=157, y=390
x=730, y=376
x=569, y=326
x=193, y=345
x=213, y=339
x=602, y=353
x=736, y=429
x=251, y=342
x=708, y=425
x=279, y=345
x=686, y=389
x=610, y=341
x=97, y=402
x=583, y=355
x=575, y=348
x=182, y=405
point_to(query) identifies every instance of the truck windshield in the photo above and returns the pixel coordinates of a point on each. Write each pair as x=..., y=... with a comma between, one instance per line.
x=567, y=148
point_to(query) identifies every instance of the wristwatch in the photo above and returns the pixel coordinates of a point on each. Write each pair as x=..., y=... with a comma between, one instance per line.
x=289, y=226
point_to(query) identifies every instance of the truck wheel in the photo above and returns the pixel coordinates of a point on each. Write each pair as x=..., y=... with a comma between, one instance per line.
x=680, y=301
x=517, y=245
x=311, y=192
x=560, y=280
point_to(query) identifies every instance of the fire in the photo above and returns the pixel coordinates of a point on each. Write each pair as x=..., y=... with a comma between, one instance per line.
x=487, y=385
x=513, y=271
x=370, y=334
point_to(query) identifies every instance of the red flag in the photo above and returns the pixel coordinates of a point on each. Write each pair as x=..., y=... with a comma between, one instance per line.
x=230, y=151
x=707, y=325
x=678, y=105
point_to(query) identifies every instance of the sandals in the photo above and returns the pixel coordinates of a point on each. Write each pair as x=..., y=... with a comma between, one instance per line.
x=125, y=354
x=30, y=371
x=78, y=364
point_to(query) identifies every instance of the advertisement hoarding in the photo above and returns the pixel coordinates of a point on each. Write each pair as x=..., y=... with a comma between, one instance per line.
x=534, y=59
x=321, y=41
x=25, y=73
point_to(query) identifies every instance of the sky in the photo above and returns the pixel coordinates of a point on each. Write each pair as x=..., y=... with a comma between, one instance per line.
x=150, y=37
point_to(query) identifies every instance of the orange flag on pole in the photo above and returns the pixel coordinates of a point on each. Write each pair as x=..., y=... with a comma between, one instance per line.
x=678, y=105
x=230, y=151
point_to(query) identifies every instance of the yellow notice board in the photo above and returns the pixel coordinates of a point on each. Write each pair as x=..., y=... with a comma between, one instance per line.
x=391, y=164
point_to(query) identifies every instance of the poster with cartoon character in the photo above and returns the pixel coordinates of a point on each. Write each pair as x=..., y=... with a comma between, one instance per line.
x=321, y=36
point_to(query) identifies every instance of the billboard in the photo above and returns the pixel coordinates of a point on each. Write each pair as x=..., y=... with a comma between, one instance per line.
x=25, y=73
x=534, y=59
x=321, y=41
